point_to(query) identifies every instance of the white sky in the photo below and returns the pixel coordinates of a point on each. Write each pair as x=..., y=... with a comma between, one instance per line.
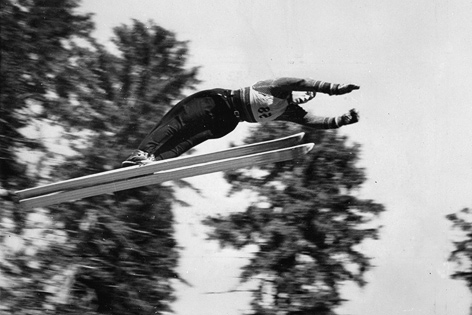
x=413, y=62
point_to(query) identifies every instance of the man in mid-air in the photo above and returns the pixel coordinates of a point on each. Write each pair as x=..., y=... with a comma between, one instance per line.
x=214, y=113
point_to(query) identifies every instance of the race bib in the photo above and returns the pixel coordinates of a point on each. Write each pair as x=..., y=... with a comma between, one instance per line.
x=266, y=107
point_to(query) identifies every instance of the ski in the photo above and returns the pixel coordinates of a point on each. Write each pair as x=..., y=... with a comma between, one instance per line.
x=135, y=171
x=187, y=170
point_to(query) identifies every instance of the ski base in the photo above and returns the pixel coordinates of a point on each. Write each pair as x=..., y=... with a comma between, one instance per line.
x=158, y=172
x=135, y=171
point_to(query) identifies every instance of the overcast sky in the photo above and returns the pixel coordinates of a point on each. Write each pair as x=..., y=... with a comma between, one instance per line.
x=413, y=62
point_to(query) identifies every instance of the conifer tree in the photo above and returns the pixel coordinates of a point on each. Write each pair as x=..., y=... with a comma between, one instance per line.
x=35, y=48
x=37, y=42
x=128, y=245
x=306, y=223
x=462, y=253
x=109, y=254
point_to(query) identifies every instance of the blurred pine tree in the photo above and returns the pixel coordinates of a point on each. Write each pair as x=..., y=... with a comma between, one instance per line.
x=462, y=253
x=109, y=254
x=306, y=224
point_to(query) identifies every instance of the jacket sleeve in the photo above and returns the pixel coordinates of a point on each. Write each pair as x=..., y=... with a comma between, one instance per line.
x=295, y=113
x=287, y=84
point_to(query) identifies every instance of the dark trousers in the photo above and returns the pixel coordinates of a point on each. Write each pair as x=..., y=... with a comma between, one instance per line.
x=197, y=118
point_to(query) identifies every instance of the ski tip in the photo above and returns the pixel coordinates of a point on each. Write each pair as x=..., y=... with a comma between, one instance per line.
x=296, y=136
x=299, y=135
x=308, y=147
x=302, y=149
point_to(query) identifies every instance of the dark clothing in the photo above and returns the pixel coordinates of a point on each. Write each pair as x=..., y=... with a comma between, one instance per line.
x=214, y=113
x=202, y=116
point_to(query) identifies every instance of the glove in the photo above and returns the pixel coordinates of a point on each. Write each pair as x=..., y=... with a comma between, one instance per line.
x=350, y=117
x=346, y=88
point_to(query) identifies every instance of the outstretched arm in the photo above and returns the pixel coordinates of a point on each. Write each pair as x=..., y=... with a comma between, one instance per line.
x=286, y=84
x=297, y=114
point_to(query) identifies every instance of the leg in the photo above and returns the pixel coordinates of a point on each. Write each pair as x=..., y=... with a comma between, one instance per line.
x=189, y=117
x=162, y=134
x=171, y=151
x=223, y=122
x=159, y=136
x=197, y=118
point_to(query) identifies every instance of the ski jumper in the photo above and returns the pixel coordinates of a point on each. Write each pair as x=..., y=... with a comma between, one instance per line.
x=214, y=113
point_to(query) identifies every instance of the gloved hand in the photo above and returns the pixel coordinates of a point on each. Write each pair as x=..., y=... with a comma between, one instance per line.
x=350, y=117
x=346, y=88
